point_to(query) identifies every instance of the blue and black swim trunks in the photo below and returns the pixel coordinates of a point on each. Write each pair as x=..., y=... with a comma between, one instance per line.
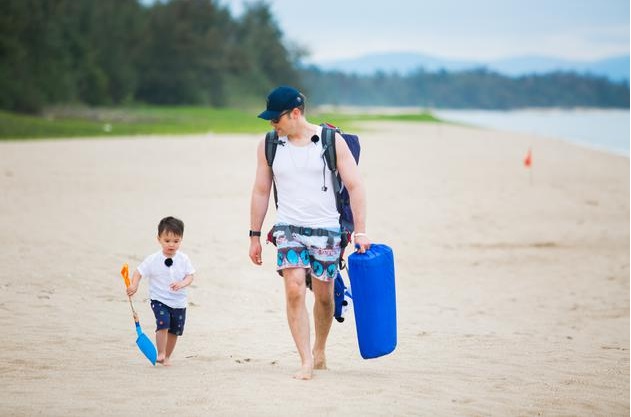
x=303, y=247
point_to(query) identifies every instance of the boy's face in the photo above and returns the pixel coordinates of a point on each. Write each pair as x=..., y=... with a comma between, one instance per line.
x=170, y=243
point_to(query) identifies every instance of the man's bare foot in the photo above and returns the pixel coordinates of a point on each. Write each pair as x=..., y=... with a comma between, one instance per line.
x=160, y=359
x=305, y=373
x=319, y=360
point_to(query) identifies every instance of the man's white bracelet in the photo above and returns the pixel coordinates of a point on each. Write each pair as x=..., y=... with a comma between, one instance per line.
x=359, y=234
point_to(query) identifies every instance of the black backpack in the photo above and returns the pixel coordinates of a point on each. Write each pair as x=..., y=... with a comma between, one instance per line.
x=330, y=156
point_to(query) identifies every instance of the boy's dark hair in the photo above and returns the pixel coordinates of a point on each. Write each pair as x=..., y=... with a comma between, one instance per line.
x=171, y=225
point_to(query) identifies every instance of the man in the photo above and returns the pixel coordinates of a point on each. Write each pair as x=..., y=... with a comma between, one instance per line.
x=307, y=230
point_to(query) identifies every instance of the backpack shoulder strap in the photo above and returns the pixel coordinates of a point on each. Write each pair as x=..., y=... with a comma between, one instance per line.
x=330, y=157
x=328, y=142
x=271, y=143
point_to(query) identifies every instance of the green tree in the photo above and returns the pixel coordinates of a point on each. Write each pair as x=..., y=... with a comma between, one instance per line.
x=109, y=33
x=34, y=65
x=262, y=61
x=184, y=56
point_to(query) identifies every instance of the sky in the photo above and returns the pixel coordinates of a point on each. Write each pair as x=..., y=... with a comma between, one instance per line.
x=473, y=30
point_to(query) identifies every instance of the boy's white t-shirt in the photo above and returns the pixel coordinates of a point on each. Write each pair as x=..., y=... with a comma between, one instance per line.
x=161, y=277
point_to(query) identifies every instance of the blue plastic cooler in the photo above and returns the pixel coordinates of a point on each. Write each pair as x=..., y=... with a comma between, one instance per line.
x=374, y=300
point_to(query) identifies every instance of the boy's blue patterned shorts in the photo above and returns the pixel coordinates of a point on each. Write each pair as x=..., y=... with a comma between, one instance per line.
x=169, y=318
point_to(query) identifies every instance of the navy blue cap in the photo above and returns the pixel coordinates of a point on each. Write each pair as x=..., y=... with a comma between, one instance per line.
x=280, y=99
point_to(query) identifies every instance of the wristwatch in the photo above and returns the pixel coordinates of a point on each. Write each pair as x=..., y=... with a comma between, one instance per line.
x=255, y=233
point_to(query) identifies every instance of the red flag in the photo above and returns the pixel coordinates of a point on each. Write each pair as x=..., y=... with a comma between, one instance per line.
x=528, y=159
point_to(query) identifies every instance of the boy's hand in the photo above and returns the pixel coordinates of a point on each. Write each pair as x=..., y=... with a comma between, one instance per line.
x=131, y=290
x=178, y=285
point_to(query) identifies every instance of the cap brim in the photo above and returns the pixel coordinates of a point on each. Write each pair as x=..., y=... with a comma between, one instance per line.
x=269, y=115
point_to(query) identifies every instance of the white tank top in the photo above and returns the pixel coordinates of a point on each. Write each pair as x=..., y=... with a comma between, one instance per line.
x=300, y=174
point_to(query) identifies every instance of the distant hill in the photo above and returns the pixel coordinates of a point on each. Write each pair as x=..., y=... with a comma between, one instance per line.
x=614, y=68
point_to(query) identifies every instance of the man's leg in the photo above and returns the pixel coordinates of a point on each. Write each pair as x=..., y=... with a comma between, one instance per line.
x=323, y=309
x=298, y=318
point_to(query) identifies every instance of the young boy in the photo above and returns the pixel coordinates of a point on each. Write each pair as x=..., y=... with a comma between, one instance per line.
x=169, y=272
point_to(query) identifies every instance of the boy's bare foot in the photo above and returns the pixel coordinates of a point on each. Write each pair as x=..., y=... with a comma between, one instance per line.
x=319, y=360
x=163, y=360
x=305, y=373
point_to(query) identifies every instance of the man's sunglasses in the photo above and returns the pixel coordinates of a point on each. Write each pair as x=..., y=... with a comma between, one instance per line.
x=280, y=116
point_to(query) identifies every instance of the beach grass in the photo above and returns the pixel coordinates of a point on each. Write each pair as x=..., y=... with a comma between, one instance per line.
x=164, y=120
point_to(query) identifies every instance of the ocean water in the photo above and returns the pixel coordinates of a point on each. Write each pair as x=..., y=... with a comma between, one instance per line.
x=604, y=130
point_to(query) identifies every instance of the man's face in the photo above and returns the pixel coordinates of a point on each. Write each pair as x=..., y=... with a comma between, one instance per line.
x=282, y=123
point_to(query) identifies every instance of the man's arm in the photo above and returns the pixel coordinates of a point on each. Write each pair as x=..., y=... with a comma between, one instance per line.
x=259, y=201
x=353, y=182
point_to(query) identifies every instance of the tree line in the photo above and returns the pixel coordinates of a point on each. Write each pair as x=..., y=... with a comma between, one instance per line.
x=114, y=52
x=476, y=88
x=119, y=51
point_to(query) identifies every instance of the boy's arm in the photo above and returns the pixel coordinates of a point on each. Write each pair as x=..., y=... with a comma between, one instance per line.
x=188, y=280
x=133, y=286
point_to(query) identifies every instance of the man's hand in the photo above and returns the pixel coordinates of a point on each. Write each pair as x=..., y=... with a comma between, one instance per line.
x=255, y=250
x=362, y=243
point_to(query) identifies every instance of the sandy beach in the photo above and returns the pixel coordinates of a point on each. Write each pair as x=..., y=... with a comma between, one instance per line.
x=512, y=286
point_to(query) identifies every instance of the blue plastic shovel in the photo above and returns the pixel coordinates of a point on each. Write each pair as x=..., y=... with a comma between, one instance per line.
x=144, y=344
